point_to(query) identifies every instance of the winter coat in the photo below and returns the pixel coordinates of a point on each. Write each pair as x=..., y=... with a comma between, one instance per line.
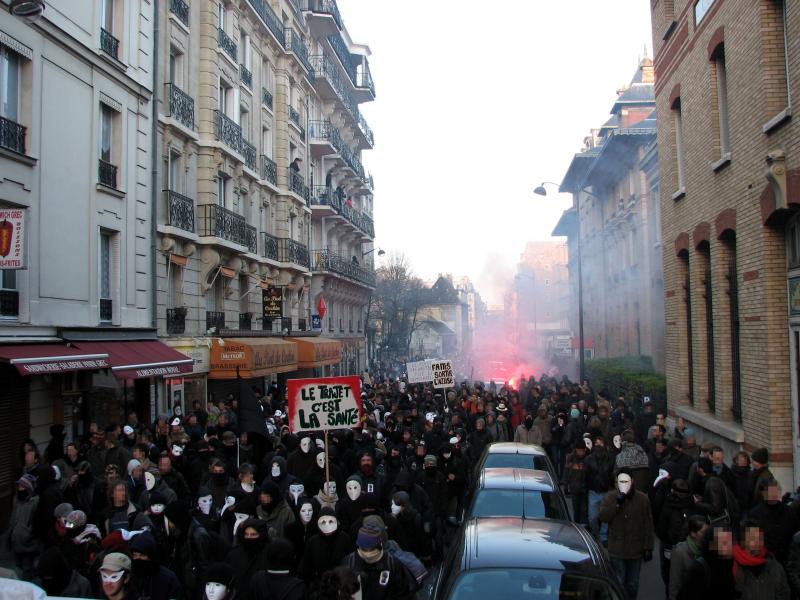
x=271, y=586
x=163, y=584
x=78, y=587
x=715, y=499
x=766, y=582
x=400, y=584
x=687, y=575
x=21, y=537
x=407, y=530
x=543, y=425
x=322, y=553
x=742, y=486
x=575, y=474
x=779, y=524
x=756, y=477
x=276, y=520
x=630, y=524
x=599, y=471
x=671, y=526
x=524, y=435
x=793, y=565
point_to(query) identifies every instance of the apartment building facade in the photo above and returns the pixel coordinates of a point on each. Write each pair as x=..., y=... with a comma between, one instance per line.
x=264, y=219
x=726, y=74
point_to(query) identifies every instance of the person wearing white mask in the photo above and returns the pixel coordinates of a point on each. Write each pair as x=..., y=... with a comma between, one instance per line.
x=219, y=582
x=325, y=550
x=302, y=462
x=327, y=496
x=299, y=532
x=296, y=490
x=630, y=530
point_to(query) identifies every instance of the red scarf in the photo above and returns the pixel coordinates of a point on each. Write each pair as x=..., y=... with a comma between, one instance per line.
x=744, y=558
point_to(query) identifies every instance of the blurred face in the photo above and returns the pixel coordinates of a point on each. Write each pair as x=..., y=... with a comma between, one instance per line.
x=251, y=534
x=723, y=543
x=754, y=540
x=72, y=453
x=773, y=494
x=120, y=497
x=164, y=465
x=113, y=581
x=717, y=457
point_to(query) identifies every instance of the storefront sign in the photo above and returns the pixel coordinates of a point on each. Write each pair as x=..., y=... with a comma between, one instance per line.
x=443, y=376
x=61, y=366
x=272, y=303
x=324, y=403
x=794, y=296
x=252, y=358
x=12, y=238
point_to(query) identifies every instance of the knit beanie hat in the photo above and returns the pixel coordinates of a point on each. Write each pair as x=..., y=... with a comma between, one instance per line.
x=219, y=573
x=761, y=456
x=401, y=498
x=27, y=481
x=368, y=538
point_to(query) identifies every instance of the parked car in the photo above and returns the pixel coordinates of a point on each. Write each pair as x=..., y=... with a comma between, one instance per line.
x=513, y=558
x=515, y=456
x=525, y=493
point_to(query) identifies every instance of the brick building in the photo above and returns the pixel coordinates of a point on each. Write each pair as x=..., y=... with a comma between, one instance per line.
x=729, y=152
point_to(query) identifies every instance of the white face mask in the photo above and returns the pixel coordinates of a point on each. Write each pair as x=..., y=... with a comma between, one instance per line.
x=329, y=487
x=306, y=512
x=305, y=445
x=617, y=442
x=204, y=504
x=248, y=487
x=588, y=442
x=149, y=481
x=157, y=509
x=396, y=509
x=177, y=450
x=624, y=483
x=447, y=455
x=216, y=591
x=296, y=490
x=276, y=470
x=240, y=518
x=320, y=445
x=327, y=524
x=353, y=490
x=321, y=460
x=111, y=577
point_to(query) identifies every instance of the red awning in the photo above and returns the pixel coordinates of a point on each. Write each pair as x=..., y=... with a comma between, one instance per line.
x=43, y=359
x=141, y=358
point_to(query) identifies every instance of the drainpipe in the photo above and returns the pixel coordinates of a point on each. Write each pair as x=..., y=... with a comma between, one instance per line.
x=154, y=146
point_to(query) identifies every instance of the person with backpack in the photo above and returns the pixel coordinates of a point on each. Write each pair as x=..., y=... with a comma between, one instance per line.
x=687, y=573
x=718, y=503
x=778, y=521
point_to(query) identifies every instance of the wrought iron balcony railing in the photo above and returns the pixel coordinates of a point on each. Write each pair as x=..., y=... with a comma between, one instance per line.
x=326, y=68
x=326, y=196
x=246, y=321
x=12, y=135
x=176, y=320
x=217, y=221
x=290, y=251
x=228, y=131
x=341, y=51
x=297, y=45
x=251, y=238
x=302, y=325
x=269, y=170
x=326, y=260
x=246, y=76
x=364, y=79
x=106, y=310
x=181, y=211
x=324, y=7
x=9, y=303
x=227, y=44
x=324, y=130
x=107, y=174
x=249, y=153
x=365, y=129
x=180, y=9
x=215, y=320
x=298, y=185
x=269, y=246
x=181, y=105
x=266, y=98
x=109, y=44
x=294, y=116
x=269, y=18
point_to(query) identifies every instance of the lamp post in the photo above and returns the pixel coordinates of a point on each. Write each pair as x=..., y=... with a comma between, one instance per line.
x=541, y=191
x=380, y=252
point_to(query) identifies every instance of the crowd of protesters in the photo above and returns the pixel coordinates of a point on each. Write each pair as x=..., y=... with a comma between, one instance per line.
x=192, y=506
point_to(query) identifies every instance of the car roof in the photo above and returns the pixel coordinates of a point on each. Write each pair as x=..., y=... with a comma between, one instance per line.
x=506, y=478
x=511, y=542
x=515, y=448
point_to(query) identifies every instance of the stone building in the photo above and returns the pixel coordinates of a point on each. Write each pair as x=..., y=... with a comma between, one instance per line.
x=612, y=230
x=729, y=155
x=265, y=227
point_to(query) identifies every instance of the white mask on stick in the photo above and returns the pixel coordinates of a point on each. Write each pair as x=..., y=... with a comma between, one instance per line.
x=624, y=483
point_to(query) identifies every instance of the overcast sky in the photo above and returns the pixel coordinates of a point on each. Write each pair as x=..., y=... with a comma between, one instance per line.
x=478, y=103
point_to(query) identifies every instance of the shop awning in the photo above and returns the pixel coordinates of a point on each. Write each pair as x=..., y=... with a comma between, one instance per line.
x=43, y=359
x=253, y=357
x=140, y=358
x=317, y=351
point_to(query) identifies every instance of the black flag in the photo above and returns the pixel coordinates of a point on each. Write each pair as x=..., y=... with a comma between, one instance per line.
x=251, y=417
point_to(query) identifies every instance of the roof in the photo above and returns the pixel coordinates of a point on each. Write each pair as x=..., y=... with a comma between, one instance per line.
x=577, y=170
x=616, y=154
x=515, y=448
x=504, y=478
x=439, y=327
x=512, y=542
x=567, y=223
x=441, y=292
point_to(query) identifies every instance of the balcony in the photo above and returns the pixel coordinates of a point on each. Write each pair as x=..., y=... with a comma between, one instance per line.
x=290, y=251
x=227, y=45
x=106, y=310
x=294, y=117
x=12, y=136
x=266, y=98
x=269, y=170
x=269, y=19
x=298, y=185
x=324, y=18
x=176, y=320
x=107, y=174
x=9, y=303
x=302, y=325
x=215, y=320
x=365, y=129
x=109, y=44
x=297, y=46
x=269, y=246
x=180, y=212
x=180, y=9
x=251, y=239
x=228, y=132
x=325, y=200
x=181, y=105
x=246, y=321
x=219, y=222
x=246, y=76
x=343, y=54
x=249, y=153
x=277, y=325
x=324, y=138
x=365, y=87
x=330, y=262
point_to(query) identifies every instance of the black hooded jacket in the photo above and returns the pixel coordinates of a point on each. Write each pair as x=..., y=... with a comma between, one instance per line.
x=247, y=559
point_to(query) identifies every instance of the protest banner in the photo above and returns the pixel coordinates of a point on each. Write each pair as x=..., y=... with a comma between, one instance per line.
x=443, y=376
x=420, y=371
x=323, y=403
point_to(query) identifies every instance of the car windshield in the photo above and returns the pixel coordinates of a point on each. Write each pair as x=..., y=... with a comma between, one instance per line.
x=530, y=583
x=516, y=503
x=519, y=461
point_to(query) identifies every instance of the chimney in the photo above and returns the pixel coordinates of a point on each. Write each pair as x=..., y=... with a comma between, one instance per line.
x=648, y=74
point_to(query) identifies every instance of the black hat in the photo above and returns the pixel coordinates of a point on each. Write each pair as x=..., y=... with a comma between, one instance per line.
x=144, y=543
x=761, y=456
x=219, y=573
x=705, y=464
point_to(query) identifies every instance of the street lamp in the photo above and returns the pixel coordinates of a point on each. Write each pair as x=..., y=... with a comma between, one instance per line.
x=541, y=191
x=29, y=10
x=380, y=252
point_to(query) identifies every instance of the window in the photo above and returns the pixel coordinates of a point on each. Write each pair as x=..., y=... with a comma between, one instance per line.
x=222, y=14
x=174, y=285
x=683, y=261
x=175, y=172
x=701, y=8
x=266, y=141
x=108, y=261
x=247, y=53
x=223, y=183
x=733, y=314
x=774, y=61
x=677, y=117
x=9, y=295
x=9, y=84
x=244, y=122
x=107, y=8
x=704, y=252
x=107, y=169
x=228, y=100
x=176, y=67
x=723, y=120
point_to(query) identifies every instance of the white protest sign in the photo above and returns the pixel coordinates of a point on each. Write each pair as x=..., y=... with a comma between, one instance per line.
x=324, y=403
x=443, y=376
x=420, y=371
